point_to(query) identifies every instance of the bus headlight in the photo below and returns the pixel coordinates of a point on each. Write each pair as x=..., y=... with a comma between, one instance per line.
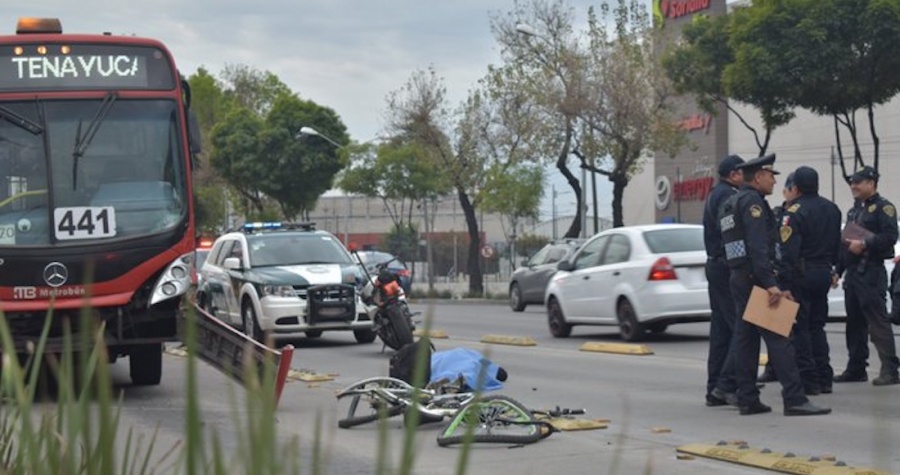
x=173, y=282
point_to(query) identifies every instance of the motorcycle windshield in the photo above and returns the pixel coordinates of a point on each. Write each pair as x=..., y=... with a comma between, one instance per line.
x=83, y=170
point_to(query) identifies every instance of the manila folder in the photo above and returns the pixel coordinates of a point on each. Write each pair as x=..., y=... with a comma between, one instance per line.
x=778, y=319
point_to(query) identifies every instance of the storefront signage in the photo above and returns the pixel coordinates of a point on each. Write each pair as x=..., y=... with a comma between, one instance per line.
x=671, y=9
x=695, y=122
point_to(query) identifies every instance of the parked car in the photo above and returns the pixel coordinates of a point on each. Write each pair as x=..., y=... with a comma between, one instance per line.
x=836, y=309
x=528, y=283
x=370, y=259
x=285, y=281
x=640, y=278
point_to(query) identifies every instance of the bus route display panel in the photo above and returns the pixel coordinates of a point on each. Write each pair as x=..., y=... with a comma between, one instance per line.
x=42, y=67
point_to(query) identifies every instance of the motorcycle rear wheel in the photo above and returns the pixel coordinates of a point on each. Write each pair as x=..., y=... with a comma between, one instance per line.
x=395, y=331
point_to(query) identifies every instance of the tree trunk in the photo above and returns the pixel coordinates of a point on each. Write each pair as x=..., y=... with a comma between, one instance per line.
x=619, y=184
x=476, y=283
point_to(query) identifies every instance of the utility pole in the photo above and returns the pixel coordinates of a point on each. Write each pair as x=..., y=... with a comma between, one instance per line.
x=833, y=163
x=553, y=188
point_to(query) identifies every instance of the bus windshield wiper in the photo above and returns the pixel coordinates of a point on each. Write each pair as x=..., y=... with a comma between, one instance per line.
x=83, y=141
x=20, y=121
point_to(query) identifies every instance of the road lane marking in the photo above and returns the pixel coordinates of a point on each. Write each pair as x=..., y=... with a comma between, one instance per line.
x=509, y=340
x=782, y=462
x=618, y=348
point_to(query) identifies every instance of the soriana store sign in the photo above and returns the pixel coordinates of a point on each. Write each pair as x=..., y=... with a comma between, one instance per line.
x=670, y=9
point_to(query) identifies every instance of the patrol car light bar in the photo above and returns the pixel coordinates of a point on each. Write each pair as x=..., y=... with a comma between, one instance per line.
x=271, y=225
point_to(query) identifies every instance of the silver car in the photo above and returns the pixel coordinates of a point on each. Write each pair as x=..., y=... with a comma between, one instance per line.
x=639, y=278
x=528, y=283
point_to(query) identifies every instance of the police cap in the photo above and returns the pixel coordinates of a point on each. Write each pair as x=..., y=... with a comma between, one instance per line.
x=865, y=173
x=760, y=163
x=729, y=164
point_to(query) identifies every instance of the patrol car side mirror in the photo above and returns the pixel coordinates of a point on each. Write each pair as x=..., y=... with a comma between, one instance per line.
x=232, y=263
x=565, y=265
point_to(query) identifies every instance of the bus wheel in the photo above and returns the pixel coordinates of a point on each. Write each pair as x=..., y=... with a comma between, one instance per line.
x=145, y=364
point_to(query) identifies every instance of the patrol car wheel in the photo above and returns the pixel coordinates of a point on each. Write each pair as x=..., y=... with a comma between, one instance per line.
x=629, y=327
x=251, y=324
x=313, y=333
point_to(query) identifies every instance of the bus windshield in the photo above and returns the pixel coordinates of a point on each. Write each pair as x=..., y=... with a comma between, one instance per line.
x=91, y=169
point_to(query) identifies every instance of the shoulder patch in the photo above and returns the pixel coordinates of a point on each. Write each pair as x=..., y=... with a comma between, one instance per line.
x=756, y=211
x=889, y=210
x=794, y=208
x=786, y=233
x=871, y=208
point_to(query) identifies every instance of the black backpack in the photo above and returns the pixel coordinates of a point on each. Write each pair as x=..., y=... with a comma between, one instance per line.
x=403, y=362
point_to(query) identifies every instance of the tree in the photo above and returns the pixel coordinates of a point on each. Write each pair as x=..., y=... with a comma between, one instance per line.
x=698, y=66
x=543, y=59
x=400, y=173
x=626, y=107
x=300, y=168
x=236, y=155
x=514, y=193
x=838, y=56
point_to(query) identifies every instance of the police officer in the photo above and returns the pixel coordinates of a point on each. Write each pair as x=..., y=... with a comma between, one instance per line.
x=865, y=280
x=810, y=240
x=789, y=193
x=748, y=234
x=719, y=363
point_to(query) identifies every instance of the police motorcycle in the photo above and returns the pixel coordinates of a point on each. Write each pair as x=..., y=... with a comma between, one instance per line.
x=386, y=305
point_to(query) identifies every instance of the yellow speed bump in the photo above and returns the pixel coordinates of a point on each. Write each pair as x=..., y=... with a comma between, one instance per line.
x=308, y=376
x=509, y=340
x=776, y=461
x=433, y=334
x=567, y=424
x=619, y=348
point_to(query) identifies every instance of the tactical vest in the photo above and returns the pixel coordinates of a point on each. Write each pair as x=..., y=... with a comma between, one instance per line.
x=733, y=232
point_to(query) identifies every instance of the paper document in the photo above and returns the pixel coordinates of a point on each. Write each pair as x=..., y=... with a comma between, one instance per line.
x=855, y=232
x=778, y=319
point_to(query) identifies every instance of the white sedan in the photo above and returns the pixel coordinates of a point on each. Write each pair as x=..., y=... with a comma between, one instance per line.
x=640, y=278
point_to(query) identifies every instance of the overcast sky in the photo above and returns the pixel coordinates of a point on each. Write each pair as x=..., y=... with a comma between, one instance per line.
x=343, y=54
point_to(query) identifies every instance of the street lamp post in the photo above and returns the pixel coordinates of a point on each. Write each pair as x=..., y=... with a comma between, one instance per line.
x=316, y=133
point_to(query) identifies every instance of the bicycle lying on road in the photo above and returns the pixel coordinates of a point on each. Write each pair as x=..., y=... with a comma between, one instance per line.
x=474, y=417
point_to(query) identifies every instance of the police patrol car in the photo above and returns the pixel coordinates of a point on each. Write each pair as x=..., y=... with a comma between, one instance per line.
x=284, y=280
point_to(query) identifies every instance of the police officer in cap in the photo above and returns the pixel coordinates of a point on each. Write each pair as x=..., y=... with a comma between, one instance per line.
x=748, y=233
x=865, y=279
x=720, y=364
x=810, y=240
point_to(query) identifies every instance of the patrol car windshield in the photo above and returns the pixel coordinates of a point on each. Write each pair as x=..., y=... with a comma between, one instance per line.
x=296, y=249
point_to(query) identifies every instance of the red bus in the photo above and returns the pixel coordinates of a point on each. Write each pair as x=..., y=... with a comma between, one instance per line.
x=96, y=205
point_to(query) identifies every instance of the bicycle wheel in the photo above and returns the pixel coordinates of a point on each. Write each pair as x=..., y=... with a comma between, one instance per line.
x=492, y=419
x=368, y=405
x=371, y=410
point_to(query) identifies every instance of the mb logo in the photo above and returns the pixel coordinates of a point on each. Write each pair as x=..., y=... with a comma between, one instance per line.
x=24, y=292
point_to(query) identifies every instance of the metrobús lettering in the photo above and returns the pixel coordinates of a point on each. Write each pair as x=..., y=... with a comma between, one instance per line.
x=62, y=292
x=61, y=67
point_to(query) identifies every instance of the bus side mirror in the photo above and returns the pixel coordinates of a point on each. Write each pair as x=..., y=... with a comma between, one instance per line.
x=194, y=133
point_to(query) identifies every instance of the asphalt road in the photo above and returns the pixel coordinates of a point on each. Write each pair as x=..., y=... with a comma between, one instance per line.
x=654, y=403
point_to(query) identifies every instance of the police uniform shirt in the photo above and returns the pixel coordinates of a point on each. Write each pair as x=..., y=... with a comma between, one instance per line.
x=712, y=234
x=878, y=215
x=809, y=233
x=748, y=232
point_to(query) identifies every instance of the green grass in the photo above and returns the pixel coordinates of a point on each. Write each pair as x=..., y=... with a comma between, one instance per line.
x=78, y=430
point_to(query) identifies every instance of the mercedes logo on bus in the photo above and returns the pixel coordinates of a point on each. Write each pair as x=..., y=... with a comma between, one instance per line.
x=56, y=274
